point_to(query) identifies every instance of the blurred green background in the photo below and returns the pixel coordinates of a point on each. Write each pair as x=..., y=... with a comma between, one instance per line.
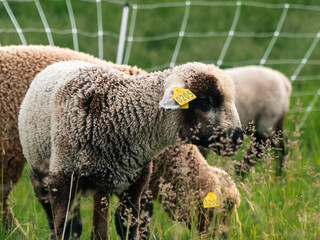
x=156, y=28
x=253, y=31
x=272, y=208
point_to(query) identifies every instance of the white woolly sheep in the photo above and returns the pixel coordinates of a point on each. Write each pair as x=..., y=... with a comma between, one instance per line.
x=182, y=178
x=103, y=128
x=262, y=97
x=18, y=67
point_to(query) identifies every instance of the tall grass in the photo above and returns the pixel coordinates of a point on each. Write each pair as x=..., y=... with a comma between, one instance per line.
x=272, y=207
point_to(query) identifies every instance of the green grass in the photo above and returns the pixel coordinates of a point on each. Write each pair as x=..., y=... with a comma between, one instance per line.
x=286, y=207
x=272, y=207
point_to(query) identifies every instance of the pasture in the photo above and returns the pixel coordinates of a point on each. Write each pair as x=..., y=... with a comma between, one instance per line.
x=161, y=34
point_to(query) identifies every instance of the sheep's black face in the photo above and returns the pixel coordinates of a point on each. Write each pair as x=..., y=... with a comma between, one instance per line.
x=214, y=124
x=212, y=120
x=206, y=103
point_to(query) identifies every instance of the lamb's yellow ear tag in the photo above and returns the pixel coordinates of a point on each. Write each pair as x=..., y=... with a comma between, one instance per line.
x=185, y=106
x=183, y=96
x=211, y=200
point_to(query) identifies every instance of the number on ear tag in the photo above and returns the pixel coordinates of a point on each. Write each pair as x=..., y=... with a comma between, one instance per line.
x=211, y=201
x=183, y=96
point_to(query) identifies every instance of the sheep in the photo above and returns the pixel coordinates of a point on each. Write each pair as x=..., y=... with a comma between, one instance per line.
x=99, y=128
x=182, y=178
x=18, y=66
x=30, y=59
x=262, y=97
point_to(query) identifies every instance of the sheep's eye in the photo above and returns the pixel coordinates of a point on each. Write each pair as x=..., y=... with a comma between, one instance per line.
x=207, y=103
x=215, y=102
x=204, y=101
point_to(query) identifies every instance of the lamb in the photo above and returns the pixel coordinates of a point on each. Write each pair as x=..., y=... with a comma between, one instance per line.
x=262, y=97
x=99, y=128
x=181, y=180
x=18, y=66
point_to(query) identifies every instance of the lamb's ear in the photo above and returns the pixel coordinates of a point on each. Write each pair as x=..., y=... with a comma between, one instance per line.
x=167, y=102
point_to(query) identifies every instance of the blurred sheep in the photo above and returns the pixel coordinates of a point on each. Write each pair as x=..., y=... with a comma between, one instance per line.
x=182, y=178
x=262, y=98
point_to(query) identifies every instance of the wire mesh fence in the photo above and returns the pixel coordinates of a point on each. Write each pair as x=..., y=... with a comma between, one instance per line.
x=284, y=36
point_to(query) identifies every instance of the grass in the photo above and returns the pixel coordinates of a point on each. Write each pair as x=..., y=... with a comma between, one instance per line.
x=272, y=207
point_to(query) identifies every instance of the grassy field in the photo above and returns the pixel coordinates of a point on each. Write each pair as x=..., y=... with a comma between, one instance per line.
x=272, y=207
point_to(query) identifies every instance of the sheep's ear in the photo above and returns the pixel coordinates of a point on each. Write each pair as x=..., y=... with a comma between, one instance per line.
x=167, y=102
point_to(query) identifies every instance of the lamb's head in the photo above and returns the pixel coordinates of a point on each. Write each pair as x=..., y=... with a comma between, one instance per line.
x=211, y=119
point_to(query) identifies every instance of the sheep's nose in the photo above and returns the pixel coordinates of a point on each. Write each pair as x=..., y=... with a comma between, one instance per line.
x=237, y=136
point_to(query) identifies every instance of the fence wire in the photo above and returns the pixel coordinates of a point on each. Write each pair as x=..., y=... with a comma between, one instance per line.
x=131, y=37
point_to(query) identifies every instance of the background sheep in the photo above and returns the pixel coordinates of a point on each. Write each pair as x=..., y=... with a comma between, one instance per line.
x=104, y=127
x=182, y=178
x=18, y=66
x=262, y=100
x=262, y=97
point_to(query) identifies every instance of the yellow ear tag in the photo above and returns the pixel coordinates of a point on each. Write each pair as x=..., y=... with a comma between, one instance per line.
x=211, y=201
x=183, y=96
x=185, y=106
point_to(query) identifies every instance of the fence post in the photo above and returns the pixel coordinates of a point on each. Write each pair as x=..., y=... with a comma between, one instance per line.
x=122, y=35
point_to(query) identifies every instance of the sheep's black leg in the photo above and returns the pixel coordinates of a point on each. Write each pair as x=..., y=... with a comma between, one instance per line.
x=10, y=172
x=279, y=144
x=75, y=223
x=5, y=216
x=127, y=213
x=41, y=192
x=100, y=216
x=60, y=194
x=74, y=217
x=259, y=146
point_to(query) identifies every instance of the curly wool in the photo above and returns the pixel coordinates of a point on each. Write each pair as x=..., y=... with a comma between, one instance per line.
x=18, y=67
x=182, y=178
x=102, y=114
